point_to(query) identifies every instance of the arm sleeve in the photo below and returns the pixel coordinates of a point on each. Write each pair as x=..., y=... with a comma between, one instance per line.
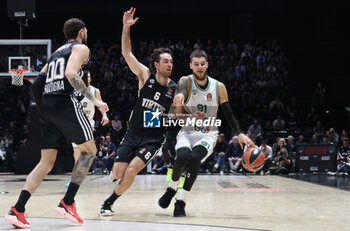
x=230, y=117
x=38, y=87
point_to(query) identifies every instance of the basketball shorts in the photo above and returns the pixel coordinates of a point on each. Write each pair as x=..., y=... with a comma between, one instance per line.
x=135, y=143
x=191, y=139
x=62, y=121
x=92, y=123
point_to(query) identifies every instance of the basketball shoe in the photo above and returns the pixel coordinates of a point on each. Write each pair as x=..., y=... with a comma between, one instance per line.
x=17, y=219
x=69, y=212
x=179, y=210
x=106, y=210
x=165, y=200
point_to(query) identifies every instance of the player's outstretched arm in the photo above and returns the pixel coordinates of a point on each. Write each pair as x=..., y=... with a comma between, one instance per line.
x=231, y=118
x=135, y=66
x=79, y=57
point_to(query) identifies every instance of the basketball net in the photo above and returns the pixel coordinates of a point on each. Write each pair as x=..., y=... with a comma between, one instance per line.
x=17, y=76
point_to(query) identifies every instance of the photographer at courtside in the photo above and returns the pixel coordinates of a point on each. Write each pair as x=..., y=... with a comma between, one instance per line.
x=282, y=163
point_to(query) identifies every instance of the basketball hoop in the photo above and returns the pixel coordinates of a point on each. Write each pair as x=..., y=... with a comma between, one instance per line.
x=17, y=76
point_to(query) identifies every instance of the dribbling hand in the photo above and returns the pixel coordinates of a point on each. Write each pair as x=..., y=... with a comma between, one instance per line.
x=243, y=139
x=128, y=18
x=198, y=115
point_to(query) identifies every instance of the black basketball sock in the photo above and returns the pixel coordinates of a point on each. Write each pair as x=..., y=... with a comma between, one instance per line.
x=112, y=198
x=70, y=194
x=22, y=201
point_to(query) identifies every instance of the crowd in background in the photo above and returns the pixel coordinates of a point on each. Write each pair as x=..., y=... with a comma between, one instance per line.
x=255, y=74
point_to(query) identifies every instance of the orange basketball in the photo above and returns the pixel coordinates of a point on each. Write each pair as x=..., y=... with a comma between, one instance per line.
x=253, y=159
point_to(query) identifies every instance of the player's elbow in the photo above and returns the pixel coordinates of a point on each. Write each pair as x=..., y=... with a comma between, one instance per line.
x=126, y=53
x=69, y=73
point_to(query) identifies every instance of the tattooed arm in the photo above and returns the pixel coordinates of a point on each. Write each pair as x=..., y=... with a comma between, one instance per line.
x=181, y=94
x=79, y=57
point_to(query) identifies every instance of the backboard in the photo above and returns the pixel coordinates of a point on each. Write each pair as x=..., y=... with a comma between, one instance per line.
x=30, y=53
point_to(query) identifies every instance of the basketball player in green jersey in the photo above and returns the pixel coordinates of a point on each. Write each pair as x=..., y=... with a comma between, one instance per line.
x=197, y=93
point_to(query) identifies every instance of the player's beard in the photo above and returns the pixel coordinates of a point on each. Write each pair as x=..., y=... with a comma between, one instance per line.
x=200, y=78
x=84, y=39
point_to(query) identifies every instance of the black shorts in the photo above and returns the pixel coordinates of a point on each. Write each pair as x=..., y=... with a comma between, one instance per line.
x=63, y=121
x=136, y=143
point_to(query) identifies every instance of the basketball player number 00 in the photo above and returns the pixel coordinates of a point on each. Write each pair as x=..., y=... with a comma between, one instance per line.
x=56, y=70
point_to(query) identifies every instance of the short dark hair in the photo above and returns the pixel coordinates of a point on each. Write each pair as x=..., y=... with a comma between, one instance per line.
x=198, y=54
x=72, y=27
x=155, y=57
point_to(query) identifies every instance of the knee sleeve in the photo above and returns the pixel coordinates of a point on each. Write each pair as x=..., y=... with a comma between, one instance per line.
x=198, y=153
x=182, y=157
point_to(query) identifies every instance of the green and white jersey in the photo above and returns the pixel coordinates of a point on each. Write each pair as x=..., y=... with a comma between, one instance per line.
x=204, y=100
x=88, y=106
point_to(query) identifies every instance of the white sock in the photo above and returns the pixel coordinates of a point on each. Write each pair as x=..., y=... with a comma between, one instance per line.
x=173, y=184
x=182, y=195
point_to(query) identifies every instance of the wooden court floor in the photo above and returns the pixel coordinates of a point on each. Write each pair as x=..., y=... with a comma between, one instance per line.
x=227, y=202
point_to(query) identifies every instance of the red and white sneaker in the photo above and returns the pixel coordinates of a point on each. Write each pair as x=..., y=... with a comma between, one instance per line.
x=69, y=212
x=17, y=219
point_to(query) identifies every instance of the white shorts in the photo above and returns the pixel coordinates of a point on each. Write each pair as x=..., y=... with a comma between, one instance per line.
x=191, y=139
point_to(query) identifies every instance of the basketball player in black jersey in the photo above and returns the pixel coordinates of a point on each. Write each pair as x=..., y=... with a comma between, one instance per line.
x=62, y=120
x=156, y=92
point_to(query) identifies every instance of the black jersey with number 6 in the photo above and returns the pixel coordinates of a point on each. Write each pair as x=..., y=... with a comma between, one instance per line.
x=152, y=97
x=56, y=82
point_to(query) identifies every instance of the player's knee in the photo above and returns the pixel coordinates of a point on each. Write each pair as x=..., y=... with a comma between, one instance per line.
x=47, y=164
x=118, y=174
x=88, y=147
x=198, y=153
x=118, y=171
x=183, y=155
x=93, y=150
x=131, y=171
